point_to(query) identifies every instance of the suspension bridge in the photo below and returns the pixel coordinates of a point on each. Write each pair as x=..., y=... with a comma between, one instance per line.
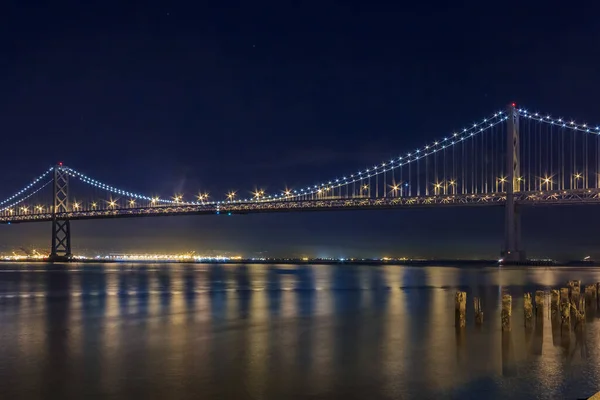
x=512, y=158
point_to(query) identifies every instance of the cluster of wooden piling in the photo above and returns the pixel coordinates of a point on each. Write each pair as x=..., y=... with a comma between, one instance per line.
x=567, y=306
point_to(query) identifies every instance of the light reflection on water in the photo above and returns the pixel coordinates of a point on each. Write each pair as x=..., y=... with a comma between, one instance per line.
x=273, y=332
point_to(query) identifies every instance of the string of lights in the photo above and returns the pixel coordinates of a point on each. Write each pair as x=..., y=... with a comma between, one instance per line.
x=112, y=189
x=27, y=188
x=10, y=206
x=559, y=122
x=409, y=158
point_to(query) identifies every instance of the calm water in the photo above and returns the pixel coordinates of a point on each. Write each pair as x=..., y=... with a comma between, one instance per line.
x=282, y=332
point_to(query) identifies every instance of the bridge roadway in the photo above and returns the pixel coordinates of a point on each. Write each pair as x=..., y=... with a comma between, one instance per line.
x=544, y=198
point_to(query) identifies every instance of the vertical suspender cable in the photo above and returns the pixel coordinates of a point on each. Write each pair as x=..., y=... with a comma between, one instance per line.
x=418, y=178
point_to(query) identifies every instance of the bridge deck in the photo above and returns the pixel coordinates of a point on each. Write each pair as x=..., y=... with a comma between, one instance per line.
x=587, y=196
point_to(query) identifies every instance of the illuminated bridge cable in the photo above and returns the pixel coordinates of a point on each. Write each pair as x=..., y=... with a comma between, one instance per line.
x=574, y=161
x=112, y=189
x=10, y=206
x=27, y=188
x=408, y=159
x=569, y=124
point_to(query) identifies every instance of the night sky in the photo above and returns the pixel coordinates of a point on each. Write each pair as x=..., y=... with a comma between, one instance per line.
x=165, y=98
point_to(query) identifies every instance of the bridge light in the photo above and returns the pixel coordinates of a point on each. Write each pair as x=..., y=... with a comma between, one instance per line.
x=75, y=206
x=39, y=208
x=231, y=195
x=94, y=205
x=112, y=203
x=547, y=181
x=132, y=202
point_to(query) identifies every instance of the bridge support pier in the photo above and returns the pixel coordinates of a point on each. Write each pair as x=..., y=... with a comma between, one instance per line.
x=512, y=251
x=61, y=227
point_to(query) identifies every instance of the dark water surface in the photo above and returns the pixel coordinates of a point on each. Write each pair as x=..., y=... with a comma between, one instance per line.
x=283, y=332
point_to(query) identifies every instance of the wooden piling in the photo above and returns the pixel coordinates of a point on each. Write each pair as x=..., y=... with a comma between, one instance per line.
x=539, y=305
x=527, y=310
x=579, y=313
x=555, y=325
x=590, y=295
x=460, y=313
x=506, y=312
x=575, y=291
x=478, y=311
x=565, y=309
x=554, y=303
x=564, y=295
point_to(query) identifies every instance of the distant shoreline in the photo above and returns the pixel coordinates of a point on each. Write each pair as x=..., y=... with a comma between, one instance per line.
x=410, y=262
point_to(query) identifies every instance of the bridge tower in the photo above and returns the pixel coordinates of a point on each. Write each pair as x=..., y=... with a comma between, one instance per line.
x=61, y=227
x=512, y=225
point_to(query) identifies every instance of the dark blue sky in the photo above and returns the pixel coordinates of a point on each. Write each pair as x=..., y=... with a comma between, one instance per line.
x=162, y=97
